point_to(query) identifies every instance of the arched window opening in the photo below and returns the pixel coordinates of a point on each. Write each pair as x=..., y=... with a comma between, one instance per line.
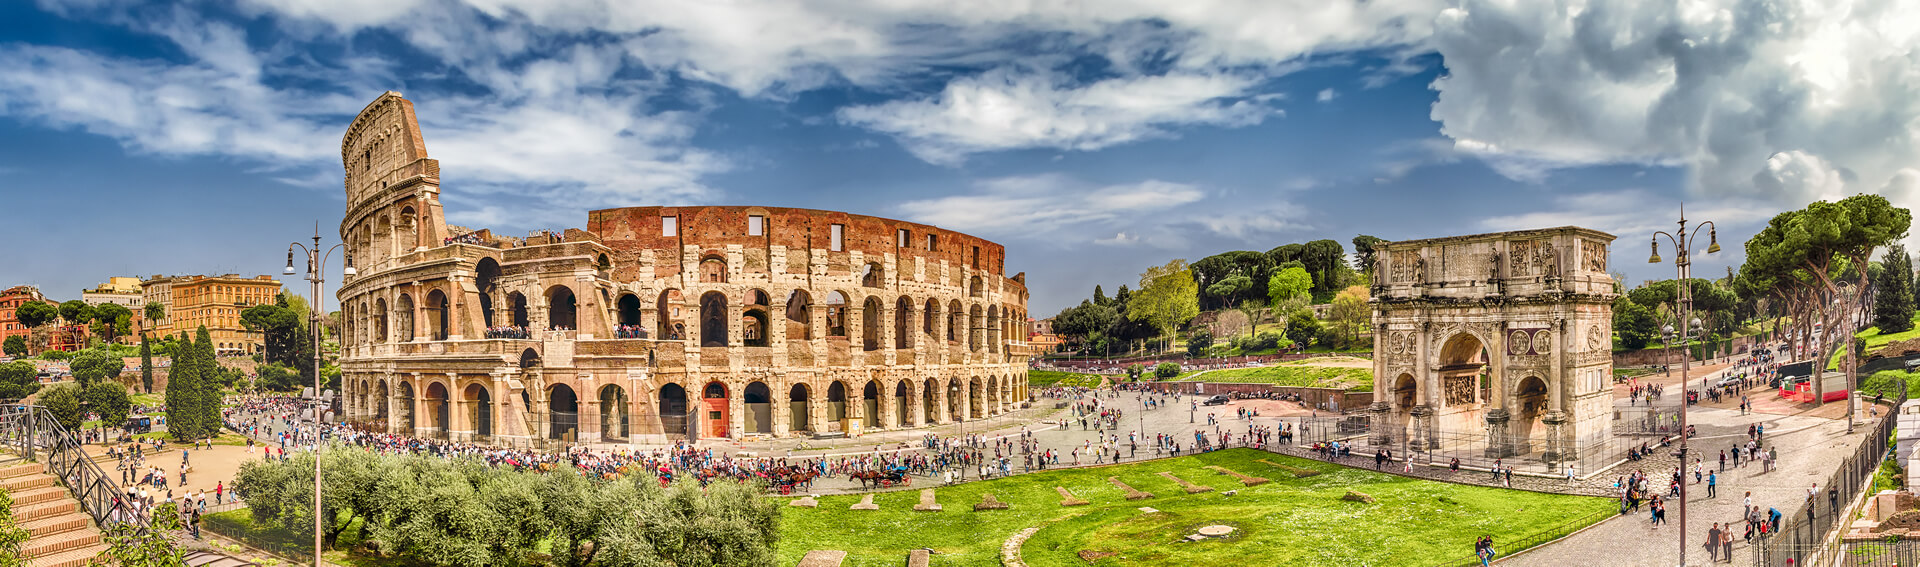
x=836, y=315
x=873, y=275
x=973, y=287
x=753, y=328
x=902, y=323
x=956, y=322
x=758, y=400
x=797, y=402
x=713, y=319
x=870, y=324
x=407, y=230
x=380, y=321
x=668, y=311
x=713, y=269
x=561, y=309
x=437, y=316
x=931, y=326
x=486, y=280
x=519, y=304
x=404, y=307
x=563, y=413
x=799, y=322
x=629, y=308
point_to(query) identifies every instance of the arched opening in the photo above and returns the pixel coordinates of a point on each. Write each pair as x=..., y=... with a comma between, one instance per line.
x=903, y=403
x=797, y=402
x=927, y=406
x=673, y=411
x=956, y=322
x=873, y=275
x=870, y=324
x=1528, y=403
x=406, y=409
x=836, y=407
x=603, y=263
x=437, y=413
x=714, y=400
x=993, y=329
x=799, y=322
x=902, y=323
x=993, y=394
x=407, y=230
x=437, y=315
x=954, y=394
x=870, y=403
x=973, y=329
x=380, y=409
x=563, y=413
x=1462, y=371
x=759, y=402
x=974, y=289
x=479, y=409
x=486, y=280
x=931, y=318
x=404, y=320
x=614, y=413
x=562, y=308
x=976, y=398
x=753, y=320
x=713, y=269
x=836, y=315
x=629, y=308
x=521, y=318
x=383, y=239
x=672, y=327
x=713, y=319
x=380, y=321
x=529, y=359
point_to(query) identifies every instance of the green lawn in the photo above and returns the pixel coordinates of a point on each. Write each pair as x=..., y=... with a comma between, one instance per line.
x=1049, y=379
x=1874, y=341
x=1293, y=374
x=1286, y=522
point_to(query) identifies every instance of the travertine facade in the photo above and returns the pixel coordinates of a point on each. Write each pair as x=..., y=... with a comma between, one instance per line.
x=660, y=323
x=1505, y=335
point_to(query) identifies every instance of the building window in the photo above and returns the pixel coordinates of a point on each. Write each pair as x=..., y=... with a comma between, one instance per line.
x=976, y=257
x=756, y=225
x=669, y=226
x=836, y=238
x=904, y=238
x=932, y=242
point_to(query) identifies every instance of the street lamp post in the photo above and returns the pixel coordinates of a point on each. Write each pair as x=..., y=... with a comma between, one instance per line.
x=1850, y=325
x=316, y=264
x=1682, y=244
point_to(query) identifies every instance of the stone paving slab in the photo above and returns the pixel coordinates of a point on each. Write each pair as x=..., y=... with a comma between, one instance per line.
x=1067, y=498
x=822, y=558
x=1132, y=493
x=927, y=503
x=866, y=503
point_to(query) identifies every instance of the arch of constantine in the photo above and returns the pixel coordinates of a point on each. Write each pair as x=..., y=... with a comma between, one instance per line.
x=659, y=323
x=1495, y=345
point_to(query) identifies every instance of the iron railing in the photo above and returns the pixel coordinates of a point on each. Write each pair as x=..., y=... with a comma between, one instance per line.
x=32, y=432
x=1802, y=539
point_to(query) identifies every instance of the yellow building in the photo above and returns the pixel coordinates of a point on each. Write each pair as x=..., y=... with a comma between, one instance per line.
x=216, y=302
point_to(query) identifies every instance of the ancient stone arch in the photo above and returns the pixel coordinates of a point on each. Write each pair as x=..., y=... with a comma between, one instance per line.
x=1480, y=344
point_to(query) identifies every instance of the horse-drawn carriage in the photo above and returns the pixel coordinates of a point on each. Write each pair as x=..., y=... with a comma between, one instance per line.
x=786, y=482
x=883, y=478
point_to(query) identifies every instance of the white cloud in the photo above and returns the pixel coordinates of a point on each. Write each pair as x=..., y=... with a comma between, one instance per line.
x=1773, y=99
x=1632, y=214
x=1008, y=109
x=1326, y=95
x=1047, y=204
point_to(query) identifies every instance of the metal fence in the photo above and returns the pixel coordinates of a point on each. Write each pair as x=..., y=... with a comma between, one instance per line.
x=1468, y=446
x=1658, y=420
x=1803, y=540
x=33, y=433
x=1509, y=547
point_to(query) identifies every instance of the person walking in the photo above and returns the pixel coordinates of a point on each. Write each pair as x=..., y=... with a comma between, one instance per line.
x=1712, y=479
x=1713, y=543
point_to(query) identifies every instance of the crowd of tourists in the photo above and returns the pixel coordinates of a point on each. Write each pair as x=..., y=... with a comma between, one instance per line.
x=508, y=332
x=630, y=331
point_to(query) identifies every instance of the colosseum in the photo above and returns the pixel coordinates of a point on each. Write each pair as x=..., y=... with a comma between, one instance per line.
x=657, y=324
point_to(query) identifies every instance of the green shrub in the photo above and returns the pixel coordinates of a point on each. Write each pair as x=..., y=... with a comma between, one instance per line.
x=1135, y=370
x=1198, y=342
x=1166, y=370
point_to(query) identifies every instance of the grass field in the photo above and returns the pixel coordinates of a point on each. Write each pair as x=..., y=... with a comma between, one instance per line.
x=1874, y=340
x=1050, y=378
x=1358, y=379
x=1286, y=522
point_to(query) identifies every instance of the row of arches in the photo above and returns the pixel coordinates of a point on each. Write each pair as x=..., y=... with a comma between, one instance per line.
x=717, y=411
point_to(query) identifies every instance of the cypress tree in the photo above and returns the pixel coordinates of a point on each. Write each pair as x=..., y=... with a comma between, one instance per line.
x=1893, y=301
x=207, y=387
x=146, y=364
x=179, y=381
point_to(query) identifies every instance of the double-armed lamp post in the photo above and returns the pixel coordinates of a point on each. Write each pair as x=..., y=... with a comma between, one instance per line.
x=1682, y=243
x=316, y=265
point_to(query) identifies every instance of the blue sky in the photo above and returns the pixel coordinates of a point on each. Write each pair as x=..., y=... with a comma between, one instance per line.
x=1092, y=139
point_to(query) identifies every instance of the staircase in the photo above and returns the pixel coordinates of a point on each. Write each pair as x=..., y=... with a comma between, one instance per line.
x=61, y=534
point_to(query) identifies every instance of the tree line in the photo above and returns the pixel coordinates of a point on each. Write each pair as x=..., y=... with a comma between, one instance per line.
x=462, y=512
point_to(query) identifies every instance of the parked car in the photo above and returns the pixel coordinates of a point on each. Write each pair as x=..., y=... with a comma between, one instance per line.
x=1216, y=400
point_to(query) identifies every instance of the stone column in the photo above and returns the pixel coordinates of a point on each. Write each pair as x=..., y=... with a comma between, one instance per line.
x=1500, y=442
x=919, y=409
x=736, y=407
x=462, y=420
x=939, y=393
x=782, y=402
x=1381, y=429
x=587, y=426
x=1423, y=438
